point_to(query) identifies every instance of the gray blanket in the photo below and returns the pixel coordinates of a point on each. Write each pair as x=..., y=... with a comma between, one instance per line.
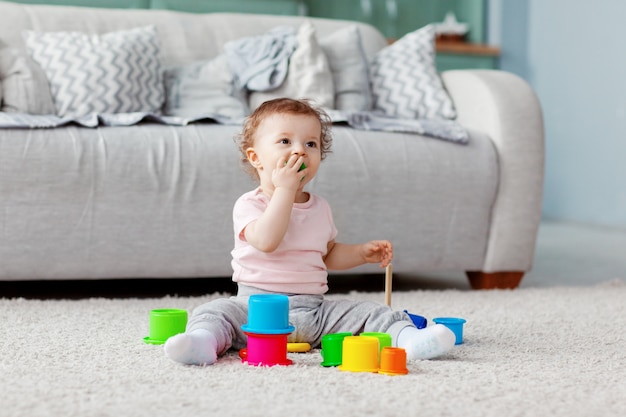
x=441, y=129
x=260, y=63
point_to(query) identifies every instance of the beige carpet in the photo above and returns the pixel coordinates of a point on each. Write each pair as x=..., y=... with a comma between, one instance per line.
x=528, y=352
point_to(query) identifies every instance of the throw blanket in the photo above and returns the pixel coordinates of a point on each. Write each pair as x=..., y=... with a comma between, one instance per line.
x=260, y=63
x=441, y=129
x=444, y=129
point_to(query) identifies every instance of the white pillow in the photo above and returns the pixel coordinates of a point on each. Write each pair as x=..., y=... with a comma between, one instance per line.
x=24, y=86
x=202, y=87
x=117, y=72
x=308, y=77
x=350, y=69
x=405, y=81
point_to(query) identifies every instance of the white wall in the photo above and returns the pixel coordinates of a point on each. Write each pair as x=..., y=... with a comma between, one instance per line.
x=573, y=52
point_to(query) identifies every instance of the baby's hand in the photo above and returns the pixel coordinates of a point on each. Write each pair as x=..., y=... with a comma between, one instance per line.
x=287, y=173
x=377, y=251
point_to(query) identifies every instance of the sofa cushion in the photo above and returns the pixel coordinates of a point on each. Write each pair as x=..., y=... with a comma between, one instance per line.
x=308, y=76
x=349, y=67
x=202, y=87
x=117, y=72
x=24, y=85
x=405, y=82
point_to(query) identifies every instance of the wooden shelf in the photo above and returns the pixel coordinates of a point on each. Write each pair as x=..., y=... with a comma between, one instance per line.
x=464, y=48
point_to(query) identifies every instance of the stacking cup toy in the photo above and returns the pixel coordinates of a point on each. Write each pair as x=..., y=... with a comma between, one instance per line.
x=267, y=330
x=384, y=339
x=268, y=314
x=332, y=348
x=393, y=361
x=165, y=323
x=360, y=354
x=266, y=350
x=453, y=323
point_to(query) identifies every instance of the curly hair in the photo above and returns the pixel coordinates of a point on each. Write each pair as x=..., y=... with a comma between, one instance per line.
x=302, y=107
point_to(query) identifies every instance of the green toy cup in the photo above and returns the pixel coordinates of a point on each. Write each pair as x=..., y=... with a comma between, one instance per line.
x=332, y=348
x=384, y=339
x=165, y=323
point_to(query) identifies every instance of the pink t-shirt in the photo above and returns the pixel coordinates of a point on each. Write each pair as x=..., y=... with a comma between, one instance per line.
x=296, y=266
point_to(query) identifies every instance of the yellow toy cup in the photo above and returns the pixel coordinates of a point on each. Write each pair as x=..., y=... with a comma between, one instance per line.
x=165, y=323
x=360, y=354
x=393, y=361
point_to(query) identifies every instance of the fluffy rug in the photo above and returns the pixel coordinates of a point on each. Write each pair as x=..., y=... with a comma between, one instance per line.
x=527, y=352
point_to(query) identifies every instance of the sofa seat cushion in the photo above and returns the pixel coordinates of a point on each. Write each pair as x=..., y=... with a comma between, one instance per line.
x=433, y=196
x=119, y=202
x=127, y=201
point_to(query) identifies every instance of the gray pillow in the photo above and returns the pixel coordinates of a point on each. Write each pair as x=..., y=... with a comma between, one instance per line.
x=405, y=81
x=117, y=72
x=202, y=87
x=350, y=69
x=25, y=87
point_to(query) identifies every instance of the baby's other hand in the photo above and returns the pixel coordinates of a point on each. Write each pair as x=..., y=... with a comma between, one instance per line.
x=377, y=251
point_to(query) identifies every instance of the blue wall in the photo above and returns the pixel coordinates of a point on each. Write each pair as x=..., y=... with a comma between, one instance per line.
x=573, y=52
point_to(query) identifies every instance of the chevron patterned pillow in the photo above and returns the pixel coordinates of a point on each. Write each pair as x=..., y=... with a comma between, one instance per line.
x=405, y=82
x=117, y=72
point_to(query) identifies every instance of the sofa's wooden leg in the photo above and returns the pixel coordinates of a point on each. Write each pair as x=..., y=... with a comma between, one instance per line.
x=491, y=280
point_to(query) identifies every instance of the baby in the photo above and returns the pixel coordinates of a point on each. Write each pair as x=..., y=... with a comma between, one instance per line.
x=285, y=243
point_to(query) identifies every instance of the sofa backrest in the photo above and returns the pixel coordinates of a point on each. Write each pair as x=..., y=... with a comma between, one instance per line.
x=185, y=37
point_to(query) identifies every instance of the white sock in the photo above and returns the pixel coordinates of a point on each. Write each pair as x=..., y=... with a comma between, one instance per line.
x=426, y=343
x=198, y=347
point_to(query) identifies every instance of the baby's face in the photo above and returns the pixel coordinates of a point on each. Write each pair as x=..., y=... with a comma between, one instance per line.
x=282, y=136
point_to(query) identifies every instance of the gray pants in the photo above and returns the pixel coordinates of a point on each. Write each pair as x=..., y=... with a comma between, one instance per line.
x=312, y=315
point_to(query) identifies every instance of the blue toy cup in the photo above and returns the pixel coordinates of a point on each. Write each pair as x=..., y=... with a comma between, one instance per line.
x=268, y=314
x=453, y=323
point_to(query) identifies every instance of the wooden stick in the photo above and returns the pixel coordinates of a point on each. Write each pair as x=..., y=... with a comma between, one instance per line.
x=388, y=285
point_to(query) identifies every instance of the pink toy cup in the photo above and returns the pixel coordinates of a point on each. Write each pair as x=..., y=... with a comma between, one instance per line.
x=266, y=350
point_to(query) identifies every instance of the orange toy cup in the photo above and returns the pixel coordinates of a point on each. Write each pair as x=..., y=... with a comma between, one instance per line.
x=393, y=361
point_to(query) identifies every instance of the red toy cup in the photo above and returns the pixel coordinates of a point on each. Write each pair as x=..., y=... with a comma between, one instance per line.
x=266, y=349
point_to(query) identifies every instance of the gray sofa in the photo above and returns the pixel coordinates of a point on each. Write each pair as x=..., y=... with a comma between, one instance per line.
x=155, y=201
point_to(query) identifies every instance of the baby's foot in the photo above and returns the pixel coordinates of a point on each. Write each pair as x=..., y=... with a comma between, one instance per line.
x=198, y=347
x=426, y=343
